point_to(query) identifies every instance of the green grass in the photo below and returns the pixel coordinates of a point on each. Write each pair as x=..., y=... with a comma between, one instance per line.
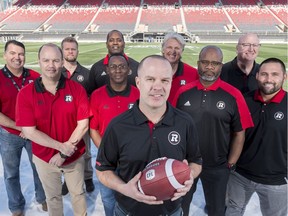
x=92, y=52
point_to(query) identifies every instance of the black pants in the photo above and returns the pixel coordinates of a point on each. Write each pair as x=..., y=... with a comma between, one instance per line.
x=214, y=182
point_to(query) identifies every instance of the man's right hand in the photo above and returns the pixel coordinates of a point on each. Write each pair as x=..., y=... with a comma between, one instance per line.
x=68, y=148
x=131, y=190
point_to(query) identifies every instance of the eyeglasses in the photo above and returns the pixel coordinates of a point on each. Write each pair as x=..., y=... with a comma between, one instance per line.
x=115, y=67
x=212, y=63
x=246, y=45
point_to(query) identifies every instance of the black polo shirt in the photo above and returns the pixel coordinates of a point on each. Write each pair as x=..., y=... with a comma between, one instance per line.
x=129, y=144
x=217, y=111
x=264, y=156
x=80, y=75
x=98, y=75
x=233, y=75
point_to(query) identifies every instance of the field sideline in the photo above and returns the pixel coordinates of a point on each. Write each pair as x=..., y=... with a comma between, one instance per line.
x=92, y=52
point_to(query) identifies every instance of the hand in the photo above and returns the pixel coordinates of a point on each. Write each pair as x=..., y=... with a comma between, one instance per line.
x=56, y=160
x=187, y=186
x=131, y=190
x=68, y=148
x=22, y=135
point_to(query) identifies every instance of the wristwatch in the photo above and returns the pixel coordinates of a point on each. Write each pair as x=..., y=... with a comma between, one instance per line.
x=231, y=166
x=63, y=155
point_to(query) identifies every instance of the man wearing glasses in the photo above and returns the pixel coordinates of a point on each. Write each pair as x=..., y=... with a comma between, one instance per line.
x=241, y=71
x=221, y=117
x=107, y=102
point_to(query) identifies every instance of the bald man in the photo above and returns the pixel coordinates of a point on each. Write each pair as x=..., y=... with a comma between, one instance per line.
x=241, y=71
x=221, y=117
x=157, y=123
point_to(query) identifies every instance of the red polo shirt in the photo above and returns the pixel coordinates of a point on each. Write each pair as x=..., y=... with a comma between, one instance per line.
x=106, y=104
x=9, y=92
x=55, y=115
x=184, y=75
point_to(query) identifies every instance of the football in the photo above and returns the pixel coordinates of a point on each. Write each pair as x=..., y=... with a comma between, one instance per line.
x=162, y=177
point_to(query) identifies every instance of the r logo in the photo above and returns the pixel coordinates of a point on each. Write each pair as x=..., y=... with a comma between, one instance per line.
x=220, y=105
x=80, y=78
x=182, y=82
x=174, y=138
x=68, y=98
x=130, y=105
x=279, y=115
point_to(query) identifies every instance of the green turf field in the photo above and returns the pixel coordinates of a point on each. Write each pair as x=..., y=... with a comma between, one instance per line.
x=92, y=52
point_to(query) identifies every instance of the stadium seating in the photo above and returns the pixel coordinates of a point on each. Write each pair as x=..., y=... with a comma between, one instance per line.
x=200, y=16
x=123, y=18
x=30, y=18
x=199, y=2
x=47, y=2
x=205, y=19
x=21, y=2
x=4, y=14
x=252, y=19
x=85, y=2
x=239, y=2
x=275, y=2
x=123, y=2
x=155, y=2
x=160, y=18
x=72, y=19
x=280, y=12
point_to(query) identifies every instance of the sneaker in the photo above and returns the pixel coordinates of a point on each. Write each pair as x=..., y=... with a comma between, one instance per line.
x=64, y=189
x=18, y=213
x=44, y=206
x=89, y=185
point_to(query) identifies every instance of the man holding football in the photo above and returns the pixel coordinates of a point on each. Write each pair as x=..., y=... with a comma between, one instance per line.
x=151, y=129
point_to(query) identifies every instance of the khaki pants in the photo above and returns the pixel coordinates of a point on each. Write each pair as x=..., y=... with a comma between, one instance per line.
x=50, y=177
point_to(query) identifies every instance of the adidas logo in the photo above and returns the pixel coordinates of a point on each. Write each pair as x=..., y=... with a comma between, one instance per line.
x=103, y=73
x=187, y=103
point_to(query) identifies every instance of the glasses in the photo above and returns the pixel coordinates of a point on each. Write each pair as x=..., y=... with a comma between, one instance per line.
x=212, y=63
x=246, y=45
x=115, y=67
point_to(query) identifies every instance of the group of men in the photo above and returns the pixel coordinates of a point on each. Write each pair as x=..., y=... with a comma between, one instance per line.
x=228, y=122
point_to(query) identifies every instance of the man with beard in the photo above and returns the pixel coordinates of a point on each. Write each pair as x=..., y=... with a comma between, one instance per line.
x=221, y=116
x=262, y=166
x=98, y=75
x=74, y=71
x=241, y=71
x=172, y=49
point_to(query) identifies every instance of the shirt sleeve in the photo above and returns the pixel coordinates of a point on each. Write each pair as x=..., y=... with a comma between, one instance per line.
x=108, y=152
x=24, y=108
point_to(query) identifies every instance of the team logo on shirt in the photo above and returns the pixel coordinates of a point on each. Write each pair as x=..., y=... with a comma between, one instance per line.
x=279, y=115
x=68, y=98
x=182, y=82
x=220, y=105
x=130, y=105
x=80, y=78
x=30, y=81
x=174, y=138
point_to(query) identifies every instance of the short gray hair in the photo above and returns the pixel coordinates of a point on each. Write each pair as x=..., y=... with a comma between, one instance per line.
x=176, y=36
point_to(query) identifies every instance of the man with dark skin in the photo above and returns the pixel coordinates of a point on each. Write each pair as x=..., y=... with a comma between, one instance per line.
x=115, y=45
